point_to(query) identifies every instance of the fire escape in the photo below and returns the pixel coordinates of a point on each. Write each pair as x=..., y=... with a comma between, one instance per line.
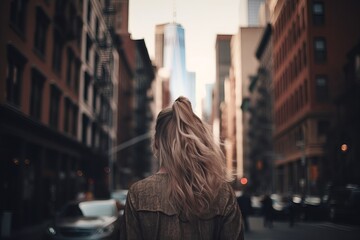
x=104, y=66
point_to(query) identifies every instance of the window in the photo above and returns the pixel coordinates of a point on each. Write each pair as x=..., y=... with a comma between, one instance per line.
x=16, y=62
x=321, y=83
x=13, y=83
x=320, y=50
x=42, y=22
x=96, y=65
x=67, y=115
x=306, y=90
x=78, y=29
x=304, y=54
x=318, y=13
x=54, y=107
x=57, y=52
x=18, y=14
x=37, y=84
x=69, y=63
x=85, y=123
x=97, y=28
x=88, y=47
x=95, y=93
x=74, y=128
x=77, y=75
x=89, y=10
x=86, y=87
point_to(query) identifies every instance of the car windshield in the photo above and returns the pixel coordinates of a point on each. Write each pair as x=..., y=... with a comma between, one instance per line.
x=90, y=209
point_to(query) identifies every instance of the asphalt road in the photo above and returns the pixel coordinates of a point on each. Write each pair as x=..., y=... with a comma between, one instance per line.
x=279, y=231
x=301, y=231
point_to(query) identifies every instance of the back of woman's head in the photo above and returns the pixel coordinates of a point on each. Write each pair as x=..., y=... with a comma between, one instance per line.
x=192, y=158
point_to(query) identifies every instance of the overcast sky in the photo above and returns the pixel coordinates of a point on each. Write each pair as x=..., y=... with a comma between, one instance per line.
x=202, y=21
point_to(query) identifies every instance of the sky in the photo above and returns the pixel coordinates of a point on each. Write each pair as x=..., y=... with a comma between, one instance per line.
x=202, y=20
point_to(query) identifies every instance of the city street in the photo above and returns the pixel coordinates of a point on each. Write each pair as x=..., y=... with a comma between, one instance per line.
x=280, y=231
x=301, y=231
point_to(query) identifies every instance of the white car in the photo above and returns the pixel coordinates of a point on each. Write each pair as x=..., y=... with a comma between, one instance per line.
x=86, y=220
x=120, y=196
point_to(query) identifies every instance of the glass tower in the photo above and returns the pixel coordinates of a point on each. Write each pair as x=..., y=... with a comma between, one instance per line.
x=174, y=59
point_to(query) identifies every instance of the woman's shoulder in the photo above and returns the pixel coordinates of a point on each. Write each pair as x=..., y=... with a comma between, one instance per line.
x=149, y=194
x=151, y=183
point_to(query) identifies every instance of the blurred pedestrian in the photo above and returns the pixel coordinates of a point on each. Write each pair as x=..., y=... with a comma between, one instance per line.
x=291, y=207
x=246, y=208
x=268, y=211
x=190, y=196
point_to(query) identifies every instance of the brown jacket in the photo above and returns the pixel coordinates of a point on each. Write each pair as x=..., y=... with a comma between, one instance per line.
x=148, y=215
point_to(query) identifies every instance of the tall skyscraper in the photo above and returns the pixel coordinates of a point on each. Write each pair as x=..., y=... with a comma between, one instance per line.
x=174, y=59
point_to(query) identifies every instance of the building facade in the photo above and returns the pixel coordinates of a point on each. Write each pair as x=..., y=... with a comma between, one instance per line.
x=260, y=133
x=174, y=59
x=344, y=142
x=310, y=43
x=162, y=95
x=57, y=104
x=143, y=115
x=222, y=64
x=243, y=64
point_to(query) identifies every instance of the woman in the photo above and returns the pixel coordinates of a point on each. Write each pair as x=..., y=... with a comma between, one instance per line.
x=190, y=196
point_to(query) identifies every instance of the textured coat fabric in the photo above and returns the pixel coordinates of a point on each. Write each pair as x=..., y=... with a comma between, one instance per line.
x=149, y=215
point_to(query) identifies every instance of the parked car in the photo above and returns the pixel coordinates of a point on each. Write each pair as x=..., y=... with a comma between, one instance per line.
x=86, y=220
x=281, y=204
x=343, y=203
x=120, y=196
x=312, y=208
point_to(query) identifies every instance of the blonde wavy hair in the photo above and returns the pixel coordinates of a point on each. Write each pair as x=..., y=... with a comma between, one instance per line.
x=186, y=149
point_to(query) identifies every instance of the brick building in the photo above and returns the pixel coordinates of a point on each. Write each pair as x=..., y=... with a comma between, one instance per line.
x=57, y=105
x=310, y=43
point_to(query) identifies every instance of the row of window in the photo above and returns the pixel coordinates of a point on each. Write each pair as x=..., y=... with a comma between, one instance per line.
x=285, y=48
x=73, y=64
x=298, y=24
x=18, y=9
x=292, y=105
x=291, y=72
x=300, y=98
x=14, y=78
x=317, y=10
x=293, y=33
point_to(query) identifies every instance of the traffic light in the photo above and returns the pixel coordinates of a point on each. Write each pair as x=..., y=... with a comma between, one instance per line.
x=243, y=180
x=344, y=147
